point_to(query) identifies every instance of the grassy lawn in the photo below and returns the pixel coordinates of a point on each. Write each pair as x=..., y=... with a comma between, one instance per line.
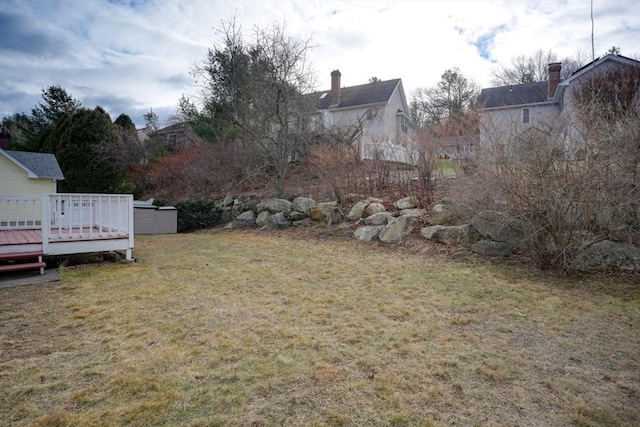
x=249, y=328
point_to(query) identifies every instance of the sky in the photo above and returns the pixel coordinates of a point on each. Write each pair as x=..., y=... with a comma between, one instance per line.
x=133, y=56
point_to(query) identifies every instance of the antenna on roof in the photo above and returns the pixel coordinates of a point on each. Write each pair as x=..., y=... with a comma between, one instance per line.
x=593, y=49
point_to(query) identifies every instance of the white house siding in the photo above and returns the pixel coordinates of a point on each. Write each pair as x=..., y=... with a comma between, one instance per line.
x=382, y=136
x=500, y=126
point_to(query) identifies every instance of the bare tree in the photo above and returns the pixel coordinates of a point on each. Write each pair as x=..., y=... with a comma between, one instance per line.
x=254, y=96
x=450, y=98
x=534, y=68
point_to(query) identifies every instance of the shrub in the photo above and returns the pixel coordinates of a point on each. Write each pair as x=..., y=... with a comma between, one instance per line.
x=572, y=180
x=197, y=213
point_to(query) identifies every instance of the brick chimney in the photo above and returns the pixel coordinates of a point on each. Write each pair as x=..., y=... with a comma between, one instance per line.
x=334, y=96
x=554, y=78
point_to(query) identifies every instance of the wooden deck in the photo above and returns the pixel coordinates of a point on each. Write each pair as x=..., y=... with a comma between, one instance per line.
x=20, y=237
x=63, y=224
x=29, y=237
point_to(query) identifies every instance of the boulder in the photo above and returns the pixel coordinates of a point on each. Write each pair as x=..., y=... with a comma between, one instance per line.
x=398, y=229
x=250, y=204
x=278, y=221
x=297, y=215
x=452, y=235
x=374, y=208
x=491, y=248
x=225, y=216
x=357, y=211
x=409, y=202
x=380, y=218
x=368, y=232
x=416, y=213
x=303, y=204
x=227, y=201
x=438, y=208
x=245, y=219
x=275, y=206
x=500, y=227
x=262, y=218
x=607, y=254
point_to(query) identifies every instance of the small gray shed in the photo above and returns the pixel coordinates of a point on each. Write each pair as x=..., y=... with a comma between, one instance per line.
x=150, y=219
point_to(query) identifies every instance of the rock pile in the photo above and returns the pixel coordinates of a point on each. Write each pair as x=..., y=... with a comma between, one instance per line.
x=490, y=233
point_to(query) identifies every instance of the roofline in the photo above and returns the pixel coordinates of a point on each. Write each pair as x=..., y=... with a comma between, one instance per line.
x=597, y=61
x=403, y=97
x=353, y=107
x=530, y=104
x=371, y=104
x=29, y=172
x=581, y=71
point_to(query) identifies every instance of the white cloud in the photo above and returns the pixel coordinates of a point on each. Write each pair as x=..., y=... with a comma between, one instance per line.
x=136, y=58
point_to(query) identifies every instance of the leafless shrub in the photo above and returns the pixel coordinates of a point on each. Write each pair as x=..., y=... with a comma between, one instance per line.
x=573, y=178
x=337, y=165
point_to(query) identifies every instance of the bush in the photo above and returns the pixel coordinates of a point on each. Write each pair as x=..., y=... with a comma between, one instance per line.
x=159, y=201
x=197, y=213
x=572, y=180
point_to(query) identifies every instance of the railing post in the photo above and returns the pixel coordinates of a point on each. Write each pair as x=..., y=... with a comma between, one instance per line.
x=130, y=230
x=45, y=224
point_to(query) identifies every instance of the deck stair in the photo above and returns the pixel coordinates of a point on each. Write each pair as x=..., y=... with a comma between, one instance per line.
x=19, y=261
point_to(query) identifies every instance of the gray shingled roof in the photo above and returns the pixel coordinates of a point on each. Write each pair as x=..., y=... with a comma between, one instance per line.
x=44, y=165
x=528, y=93
x=354, y=96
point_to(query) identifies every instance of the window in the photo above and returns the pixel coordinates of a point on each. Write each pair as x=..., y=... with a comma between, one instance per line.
x=370, y=114
x=404, y=125
x=525, y=116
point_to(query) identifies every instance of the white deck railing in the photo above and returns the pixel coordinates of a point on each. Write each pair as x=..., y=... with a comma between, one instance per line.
x=92, y=216
x=70, y=217
x=20, y=212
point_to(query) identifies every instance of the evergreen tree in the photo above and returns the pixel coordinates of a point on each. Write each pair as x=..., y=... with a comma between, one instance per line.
x=82, y=141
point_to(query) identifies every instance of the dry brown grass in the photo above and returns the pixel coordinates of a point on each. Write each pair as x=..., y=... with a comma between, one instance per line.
x=249, y=328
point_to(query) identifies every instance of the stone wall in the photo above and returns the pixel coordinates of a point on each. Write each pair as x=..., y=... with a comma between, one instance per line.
x=490, y=233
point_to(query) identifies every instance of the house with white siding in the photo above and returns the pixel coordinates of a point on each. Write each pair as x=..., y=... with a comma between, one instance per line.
x=374, y=117
x=510, y=113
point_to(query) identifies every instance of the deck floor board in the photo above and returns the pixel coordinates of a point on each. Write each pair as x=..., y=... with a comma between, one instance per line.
x=27, y=237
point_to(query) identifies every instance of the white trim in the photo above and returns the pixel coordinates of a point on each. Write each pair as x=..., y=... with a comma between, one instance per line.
x=528, y=105
x=354, y=107
x=588, y=68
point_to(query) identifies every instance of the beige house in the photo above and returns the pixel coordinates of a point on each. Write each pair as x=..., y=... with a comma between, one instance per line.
x=374, y=117
x=24, y=173
x=36, y=220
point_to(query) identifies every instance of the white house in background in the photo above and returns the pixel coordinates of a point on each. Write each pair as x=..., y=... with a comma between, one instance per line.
x=512, y=111
x=375, y=116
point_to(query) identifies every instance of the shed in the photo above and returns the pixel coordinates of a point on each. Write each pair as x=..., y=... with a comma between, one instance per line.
x=150, y=219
